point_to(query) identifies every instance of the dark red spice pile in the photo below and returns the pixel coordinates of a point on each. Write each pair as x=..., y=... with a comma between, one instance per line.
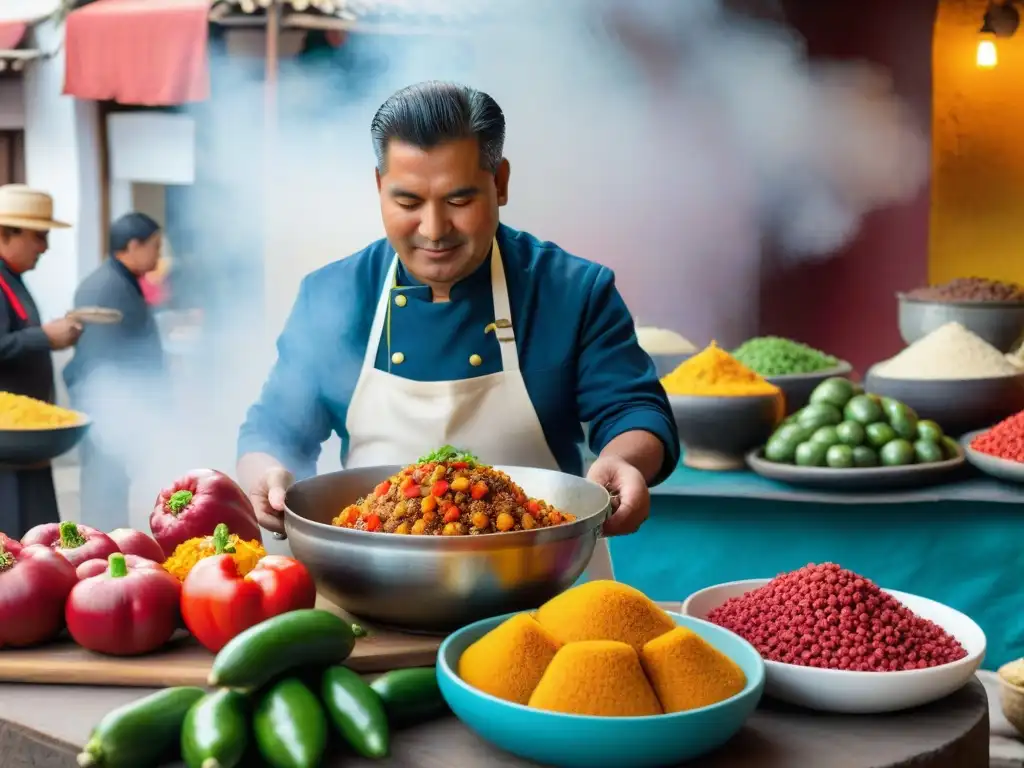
x=970, y=289
x=1004, y=441
x=828, y=617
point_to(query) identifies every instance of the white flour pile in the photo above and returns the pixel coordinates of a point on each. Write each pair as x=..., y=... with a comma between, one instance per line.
x=949, y=352
x=661, y=341
x=1017, y=356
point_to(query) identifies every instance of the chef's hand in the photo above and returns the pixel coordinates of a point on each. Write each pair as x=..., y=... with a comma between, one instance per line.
x=626, y=482
x=62, y=333
x=267, y=498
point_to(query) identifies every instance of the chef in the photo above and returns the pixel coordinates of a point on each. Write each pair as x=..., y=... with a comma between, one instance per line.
x=458, y=330
x=27, y=495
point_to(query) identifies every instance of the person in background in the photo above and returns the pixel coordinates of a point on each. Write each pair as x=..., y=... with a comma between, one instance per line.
x=459, y=330
x=113, y=364
x=27, y=495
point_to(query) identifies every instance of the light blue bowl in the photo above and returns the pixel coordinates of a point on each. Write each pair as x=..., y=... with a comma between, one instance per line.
x=580, y=741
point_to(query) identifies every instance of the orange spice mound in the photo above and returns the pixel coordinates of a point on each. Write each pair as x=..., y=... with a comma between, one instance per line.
x=509, y=661
x=604, y=610
x=602, y=649
x=687, y=672
x=596, y=677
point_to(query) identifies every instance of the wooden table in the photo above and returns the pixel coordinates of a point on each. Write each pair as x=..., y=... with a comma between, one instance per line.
x=43, y=726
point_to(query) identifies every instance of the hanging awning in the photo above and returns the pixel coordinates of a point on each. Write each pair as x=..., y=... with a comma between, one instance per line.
x=140, y=52
x=11, y=34
x=16, y=20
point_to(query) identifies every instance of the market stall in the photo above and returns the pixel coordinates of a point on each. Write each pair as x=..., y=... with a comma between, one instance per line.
x=269, y=665
x=950, y=535
x=438, y=606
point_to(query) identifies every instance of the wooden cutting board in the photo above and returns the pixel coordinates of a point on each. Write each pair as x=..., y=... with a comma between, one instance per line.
x=185, y=662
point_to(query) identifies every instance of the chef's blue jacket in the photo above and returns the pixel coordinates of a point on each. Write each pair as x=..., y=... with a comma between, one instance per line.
x=578, y=351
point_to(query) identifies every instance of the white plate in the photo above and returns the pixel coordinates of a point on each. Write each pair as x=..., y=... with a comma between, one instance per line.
x=837, y=690
x=96, y=315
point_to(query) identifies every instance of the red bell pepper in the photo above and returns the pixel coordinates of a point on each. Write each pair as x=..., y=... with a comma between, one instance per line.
x=98, y=566
x=10, y=545
x=34, y=585
x=132, y=542
x=125, y=611
x=218, y=604
x=195, y=504
x=77, y=543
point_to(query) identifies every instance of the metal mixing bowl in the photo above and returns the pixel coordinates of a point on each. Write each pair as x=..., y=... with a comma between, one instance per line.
x=1001, y=324
x=436, y=584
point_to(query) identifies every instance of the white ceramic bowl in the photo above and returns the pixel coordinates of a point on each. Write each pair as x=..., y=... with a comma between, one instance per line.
x=836, y=690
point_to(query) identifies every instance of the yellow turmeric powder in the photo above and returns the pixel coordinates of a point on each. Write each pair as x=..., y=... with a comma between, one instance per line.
x=686, y=672
x=596, y=677
x=20, y=412
x=604, y=610
x=713, y=372
x=245, y=553
x=509, y=661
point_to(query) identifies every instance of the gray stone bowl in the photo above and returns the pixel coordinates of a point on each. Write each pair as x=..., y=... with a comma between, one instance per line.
x=1001, y=469
x=958, y=405
x=797, y=387
x=30, y=447
x=665, y=364
x=1001, y=324
x=717, y=432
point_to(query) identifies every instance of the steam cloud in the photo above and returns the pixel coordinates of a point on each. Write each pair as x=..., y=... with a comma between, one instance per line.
x=668, y=140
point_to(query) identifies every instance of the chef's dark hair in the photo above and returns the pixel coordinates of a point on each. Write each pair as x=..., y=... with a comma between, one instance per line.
x=432, y=113
x=131, y=226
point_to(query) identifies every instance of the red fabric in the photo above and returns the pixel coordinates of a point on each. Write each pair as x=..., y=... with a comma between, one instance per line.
x=11, y=34
x=15, y=303
x=147, y=52
x=154, y=293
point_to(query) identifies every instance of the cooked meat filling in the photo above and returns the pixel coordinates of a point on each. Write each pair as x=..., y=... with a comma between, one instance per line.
x=449, y=494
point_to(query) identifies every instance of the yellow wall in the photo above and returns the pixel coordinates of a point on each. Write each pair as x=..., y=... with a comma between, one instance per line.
x=977, y=210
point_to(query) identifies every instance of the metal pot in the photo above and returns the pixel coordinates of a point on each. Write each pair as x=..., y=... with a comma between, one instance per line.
x=435, y=584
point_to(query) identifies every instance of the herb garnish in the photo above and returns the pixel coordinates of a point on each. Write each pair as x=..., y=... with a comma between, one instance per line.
x=448, y=454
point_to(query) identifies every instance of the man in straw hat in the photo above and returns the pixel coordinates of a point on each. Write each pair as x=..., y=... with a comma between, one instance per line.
x=27, y=495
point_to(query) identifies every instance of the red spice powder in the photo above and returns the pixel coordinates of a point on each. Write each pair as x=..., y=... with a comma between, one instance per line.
x=827, y=617
x=1004, y=441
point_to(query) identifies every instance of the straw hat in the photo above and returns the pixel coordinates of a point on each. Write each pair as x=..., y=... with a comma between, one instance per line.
x=27, y=208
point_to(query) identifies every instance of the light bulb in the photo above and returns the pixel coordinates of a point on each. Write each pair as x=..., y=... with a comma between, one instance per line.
x=987, y=57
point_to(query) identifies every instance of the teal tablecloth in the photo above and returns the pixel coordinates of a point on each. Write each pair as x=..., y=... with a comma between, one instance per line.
x=961, y=544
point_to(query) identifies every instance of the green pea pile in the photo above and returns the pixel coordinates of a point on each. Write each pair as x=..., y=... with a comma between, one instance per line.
x=775, y=356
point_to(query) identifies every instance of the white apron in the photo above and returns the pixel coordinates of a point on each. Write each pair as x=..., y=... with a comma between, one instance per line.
x=392, y=420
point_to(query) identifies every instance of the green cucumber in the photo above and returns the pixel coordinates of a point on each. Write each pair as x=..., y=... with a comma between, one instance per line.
x=410, y=695
x=216, y=731
x=290, y=726
x=140, y=733
x=357, y=712
x=307, y=637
